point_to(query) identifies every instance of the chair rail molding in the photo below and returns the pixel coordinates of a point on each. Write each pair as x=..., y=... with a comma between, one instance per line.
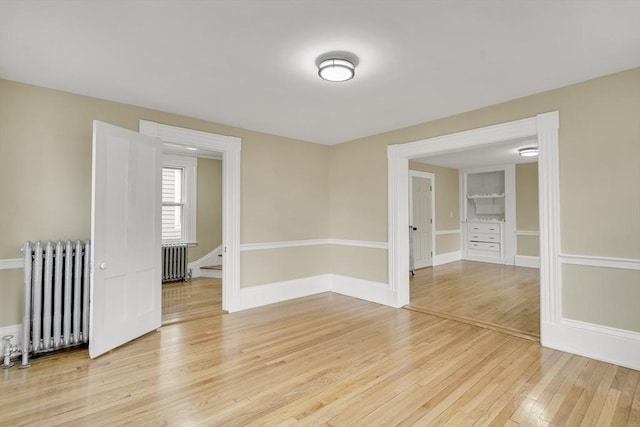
x=11, y=263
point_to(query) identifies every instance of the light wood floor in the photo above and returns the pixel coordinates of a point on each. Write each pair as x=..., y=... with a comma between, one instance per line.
x=322, y=360
x=199, y=297
x=500, y=296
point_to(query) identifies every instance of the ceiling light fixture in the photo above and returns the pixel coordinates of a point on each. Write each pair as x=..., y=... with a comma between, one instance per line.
x=336, y=70
x=528, y=152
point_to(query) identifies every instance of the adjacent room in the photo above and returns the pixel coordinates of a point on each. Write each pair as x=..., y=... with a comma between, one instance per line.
x=476, y=237
x=319, y=213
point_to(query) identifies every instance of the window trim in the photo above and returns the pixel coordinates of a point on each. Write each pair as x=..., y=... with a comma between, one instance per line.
x=189, y=165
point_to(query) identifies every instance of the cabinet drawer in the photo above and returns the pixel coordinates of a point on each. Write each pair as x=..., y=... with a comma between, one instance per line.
x=483, y=228
x=483, y=246
x=484, y=237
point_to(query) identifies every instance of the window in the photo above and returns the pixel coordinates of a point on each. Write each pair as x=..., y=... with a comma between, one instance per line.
x=172, y=204
x=178, y=199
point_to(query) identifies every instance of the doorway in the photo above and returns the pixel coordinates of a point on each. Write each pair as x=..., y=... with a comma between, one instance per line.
x=492, y=195
x=544, y=128
x=198, y=226
x=229, y=148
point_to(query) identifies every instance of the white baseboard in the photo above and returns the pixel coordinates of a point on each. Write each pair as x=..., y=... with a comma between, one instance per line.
x=527, y=261
x=447, y=257
x=15, y=330
x=204, y=272
x=211, y=258
x=362, y=289
x=604, y=343
x=256, y=296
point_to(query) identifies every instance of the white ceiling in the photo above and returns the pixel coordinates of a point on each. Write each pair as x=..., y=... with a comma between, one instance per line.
x=495, y=154
x=252, y=63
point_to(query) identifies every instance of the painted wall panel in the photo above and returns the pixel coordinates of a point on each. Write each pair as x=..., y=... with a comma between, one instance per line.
x=605, y=296
x=362, y=263
x=265, y=266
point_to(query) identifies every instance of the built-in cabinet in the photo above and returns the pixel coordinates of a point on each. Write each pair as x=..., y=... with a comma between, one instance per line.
x=488, y=205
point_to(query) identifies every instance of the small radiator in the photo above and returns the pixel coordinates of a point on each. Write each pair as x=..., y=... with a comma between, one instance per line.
x=174, y=262
x=56, y=295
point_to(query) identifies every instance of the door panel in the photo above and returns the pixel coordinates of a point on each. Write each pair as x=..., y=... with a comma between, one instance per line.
x=125, y=233
x=421, y=220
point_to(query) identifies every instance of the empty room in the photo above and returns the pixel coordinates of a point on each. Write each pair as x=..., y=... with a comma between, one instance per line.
x=319, y=213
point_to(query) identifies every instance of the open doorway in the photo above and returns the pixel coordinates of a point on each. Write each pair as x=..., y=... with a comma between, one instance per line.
x=227, y=149
x=191, y=233
x=544, y=127
x=487, y=264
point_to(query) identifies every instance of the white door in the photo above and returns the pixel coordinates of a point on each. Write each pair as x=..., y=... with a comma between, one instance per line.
x=126, y=281
x=421, y=218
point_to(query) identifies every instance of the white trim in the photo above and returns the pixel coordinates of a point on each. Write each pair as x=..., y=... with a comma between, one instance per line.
x=443, y=232
x=11, y=263
x=545, y=128
x=447, y=257
x=256, y=296
x=211, y=258
x=230, y=148
x=367, y=290
x=600, y=261
x=527, y=233
x=360, y=243
x=611, y=345
x=312, y=242
x=527, y=261
x=284, y=244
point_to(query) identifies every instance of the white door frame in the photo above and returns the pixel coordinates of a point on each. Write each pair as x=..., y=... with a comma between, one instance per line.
x=432, y=177
x=544, y=127
x=230, y=147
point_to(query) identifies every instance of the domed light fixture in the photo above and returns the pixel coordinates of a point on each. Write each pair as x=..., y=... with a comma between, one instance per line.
x=336, y=70
x=528, y=152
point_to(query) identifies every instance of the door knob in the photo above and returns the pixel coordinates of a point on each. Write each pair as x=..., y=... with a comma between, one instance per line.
x=103, y=266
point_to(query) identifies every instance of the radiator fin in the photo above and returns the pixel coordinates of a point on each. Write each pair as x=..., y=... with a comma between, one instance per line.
x=56, y=288
x=174, y=262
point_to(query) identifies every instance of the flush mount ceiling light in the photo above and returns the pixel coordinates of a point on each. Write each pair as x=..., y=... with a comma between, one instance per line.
x=336, y=70
x=528, y=152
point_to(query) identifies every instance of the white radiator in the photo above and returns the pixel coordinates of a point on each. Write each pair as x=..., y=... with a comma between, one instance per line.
x=174, y=262
x=56, y=295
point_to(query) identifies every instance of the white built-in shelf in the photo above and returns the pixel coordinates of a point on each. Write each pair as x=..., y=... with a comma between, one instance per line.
x=485, y=196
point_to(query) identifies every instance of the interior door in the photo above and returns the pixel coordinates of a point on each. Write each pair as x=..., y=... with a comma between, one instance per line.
x=126, y=281
x=421, y=220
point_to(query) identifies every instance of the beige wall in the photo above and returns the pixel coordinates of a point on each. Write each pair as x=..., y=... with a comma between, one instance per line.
x=527, y=210
x=599, y=144
x=606, y=296
x=11, y=302
x=277, y=265
x=372, y=262
x=447, y=199
x=45, y=178
x=209, y=208
x=294, y=190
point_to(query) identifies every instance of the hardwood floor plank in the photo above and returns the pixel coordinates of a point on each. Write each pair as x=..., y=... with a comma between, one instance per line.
x=493, y=295
x=197, y=298
x=321, y=360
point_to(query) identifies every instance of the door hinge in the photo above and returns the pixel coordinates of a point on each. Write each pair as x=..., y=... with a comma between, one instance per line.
x=430, y=188
x=430, y=220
